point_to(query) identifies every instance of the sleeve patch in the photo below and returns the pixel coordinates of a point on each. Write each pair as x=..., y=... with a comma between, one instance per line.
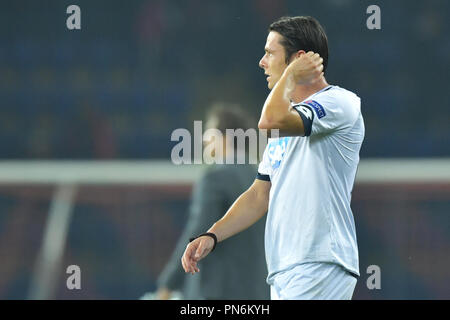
x=320, y=111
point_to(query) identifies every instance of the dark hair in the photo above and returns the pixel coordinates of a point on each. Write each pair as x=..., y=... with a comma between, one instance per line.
x=230, y=116
x=302, y=33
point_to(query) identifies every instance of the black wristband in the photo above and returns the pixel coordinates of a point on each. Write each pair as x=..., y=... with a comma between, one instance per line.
x=209, y=234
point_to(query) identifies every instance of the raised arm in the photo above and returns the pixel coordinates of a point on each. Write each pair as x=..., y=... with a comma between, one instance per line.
x=277, y=112
x=245, y=211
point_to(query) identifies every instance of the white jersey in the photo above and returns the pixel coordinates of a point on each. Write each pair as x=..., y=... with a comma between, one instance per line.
x=309, y=217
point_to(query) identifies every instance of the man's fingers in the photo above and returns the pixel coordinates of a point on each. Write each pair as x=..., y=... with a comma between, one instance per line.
x=317, y=59
x=184, y=263
x=194, y=259
x=199, y=251
x=195, y=251
x=186, y=259
x=190, y=257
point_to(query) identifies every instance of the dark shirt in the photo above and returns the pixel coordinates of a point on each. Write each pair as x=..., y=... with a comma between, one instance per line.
x=236, y=269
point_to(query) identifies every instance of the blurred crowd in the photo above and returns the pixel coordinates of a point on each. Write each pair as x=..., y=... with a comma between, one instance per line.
x=135, y=72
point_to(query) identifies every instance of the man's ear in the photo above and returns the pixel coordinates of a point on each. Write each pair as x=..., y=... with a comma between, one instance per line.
x=299, y=53
x=296, y=55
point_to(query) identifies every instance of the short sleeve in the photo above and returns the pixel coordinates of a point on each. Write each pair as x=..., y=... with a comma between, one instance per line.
x=329, y=111
x=264, y=168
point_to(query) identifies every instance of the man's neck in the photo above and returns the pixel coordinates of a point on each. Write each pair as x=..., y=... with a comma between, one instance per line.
x=301, y=92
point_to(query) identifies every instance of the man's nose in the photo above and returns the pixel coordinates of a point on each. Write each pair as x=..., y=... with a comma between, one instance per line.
x=262, y=63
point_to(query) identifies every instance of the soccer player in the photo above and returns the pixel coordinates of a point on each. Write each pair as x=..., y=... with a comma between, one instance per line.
x=306, y=176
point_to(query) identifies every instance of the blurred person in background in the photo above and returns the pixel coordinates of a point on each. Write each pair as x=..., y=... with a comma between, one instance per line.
x=216, y=191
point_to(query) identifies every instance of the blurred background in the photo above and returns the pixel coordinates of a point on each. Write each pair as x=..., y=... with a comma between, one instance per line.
x=112, y=93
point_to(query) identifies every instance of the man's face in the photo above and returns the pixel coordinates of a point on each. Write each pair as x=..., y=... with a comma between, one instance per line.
x=274, y=61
